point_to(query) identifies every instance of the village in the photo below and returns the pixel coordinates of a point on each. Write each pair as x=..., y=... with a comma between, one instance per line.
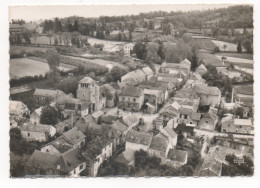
x=157, y=119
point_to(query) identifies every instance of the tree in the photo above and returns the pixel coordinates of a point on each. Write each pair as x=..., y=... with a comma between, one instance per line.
x=56, y=41
x=115, y=74
x=247, y=44
x=224, y=46
x=139, y=50
x=49, y=115
x=53, y=59
x=119, y=36
x=76, y=26
x=151, y=53
x=239, y=48
x=49, y=35
x=130, y=36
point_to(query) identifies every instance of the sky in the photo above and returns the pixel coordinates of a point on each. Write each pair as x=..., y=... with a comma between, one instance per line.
x=33, y=13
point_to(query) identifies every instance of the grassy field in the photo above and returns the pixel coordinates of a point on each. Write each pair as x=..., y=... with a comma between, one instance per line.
x=204, y=43
x=22, y=67
x=229, y=46
x=237, y=55
x=246, y=90
x=209, y=59
x=27, y=49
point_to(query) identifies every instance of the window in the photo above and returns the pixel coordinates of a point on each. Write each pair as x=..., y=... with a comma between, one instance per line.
x=74, y=171
x=134, y=99
x=47, y=150
x=81, y=167
x=191, y=122
x=207, y=122
x=123, y=98
x=28, y=134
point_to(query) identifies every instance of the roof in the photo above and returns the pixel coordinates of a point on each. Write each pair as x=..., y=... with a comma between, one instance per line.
x=208, y=90
x=201, y=68
x=168, y=79
x=136, y=74
x=16, y=107
x=36, y=128
x=119, y=126
x=212, y=165
x=20, y=89
x=187, y=93
x=74, y=135
x=97, y=114
x=157, y=93
x=130, y=119
x=170, y=131
x=210, y=115
x=147, y=70
x=245, y=122
x=195, y=116
x=87, y=80
x=218, y=152
x=48, y=92
x=131, y=91
x=186, y=111
x=44, y=159
x=61, y=144
x=177, y=155
x=139, y=137
x=183, y=127
x=159, y=144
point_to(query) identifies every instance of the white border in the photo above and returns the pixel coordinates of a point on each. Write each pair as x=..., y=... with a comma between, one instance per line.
x=5, y=181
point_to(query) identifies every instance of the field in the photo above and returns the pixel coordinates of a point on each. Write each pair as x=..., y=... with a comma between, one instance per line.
x=246, y=90
x=93, y=41
x=237, y=55
x=204, y=43
x=22, y=67
x=230, y=47
x=240, y=62
x=209, y=59
x=27, y=49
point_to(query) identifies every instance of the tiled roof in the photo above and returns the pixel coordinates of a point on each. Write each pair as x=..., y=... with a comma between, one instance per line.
x=157, y=93
x=131, y=91
x=158, y=144
x=87, y=80
x=45, y=160
x=170, y=131
x=187, y=93
x=36, y=128
x=186, y=111
x=61, y=144
x=195, y=116
x=182, y=127
x=208, y=90
x=48, y=92
x=74, y=135
x=177, y=155
x=119, y=126
x=210, y=115
x=130, y=119
x=139, y=137
x=137, y=74
x=168, y=79
x=147, y=70
x=201, y=68
x=212, y=165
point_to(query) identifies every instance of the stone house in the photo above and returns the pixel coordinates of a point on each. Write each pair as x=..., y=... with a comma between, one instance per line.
x=208, y=121
x=128, y=48
x=95, y=153
x=38, y=132
x=70, y=164
x=239, y=126
x=137, y=76
x=154, y=98
x=209, y=96
x=188, y=117
x=17, y=111
x=201, y=70
x=159, y=147
x=177, y=158
x=131, y=99
x=44, y=96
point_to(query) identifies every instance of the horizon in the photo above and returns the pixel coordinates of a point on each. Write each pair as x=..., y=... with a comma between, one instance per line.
x=95, y=11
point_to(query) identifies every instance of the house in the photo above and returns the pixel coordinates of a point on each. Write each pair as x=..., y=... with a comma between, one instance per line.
x=35, y=117
x=176, y=68
x=170, y=109
x=201, y=70
x=212, y=164
x=177, y=158
x=137, y=140
x=97, y=116
x=239, y=126
x=17, y=111
x=209, y=96
x=69, y=106
x=148, y=72
x=153, y=99
x=170, y=134
x=65, y=125
x=75, y=137
x=39, y=132
x=135, y=77
x=18, y=108
x=188, y=117
x=95, y=153
x=208, y=121
x=88, y=91
x=110, y=93
x=159, y=147
x=131, y=99
x=46, y=95
x=69, y=164
x=128, y=48
x=186, y=131
x=187, y=94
